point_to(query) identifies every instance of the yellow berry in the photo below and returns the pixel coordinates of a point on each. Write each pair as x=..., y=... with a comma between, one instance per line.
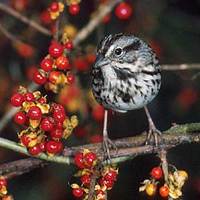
x=150, y=189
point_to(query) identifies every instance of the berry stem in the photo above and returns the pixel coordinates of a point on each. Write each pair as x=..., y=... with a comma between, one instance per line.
x=24, y=19
x=164, y=164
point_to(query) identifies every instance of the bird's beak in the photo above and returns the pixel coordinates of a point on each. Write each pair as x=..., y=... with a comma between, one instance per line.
x=101, y=61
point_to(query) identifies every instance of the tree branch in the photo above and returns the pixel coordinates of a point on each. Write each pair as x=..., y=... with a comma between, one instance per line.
x=95, y=21
x=24, y=19
x=180, y=67
x=128, y=148
x=16, y=168
x=8, y=34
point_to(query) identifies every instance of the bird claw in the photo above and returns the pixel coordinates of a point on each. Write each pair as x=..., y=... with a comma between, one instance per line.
x=157, y=137
x=107, y=145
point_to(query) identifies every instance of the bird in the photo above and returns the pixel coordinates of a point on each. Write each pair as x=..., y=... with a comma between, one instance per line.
x=126, y=76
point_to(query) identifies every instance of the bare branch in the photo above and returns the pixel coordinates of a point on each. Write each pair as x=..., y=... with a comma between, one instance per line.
x=95, y=21
x=24, y=19
x=180, y=67
x=19, y=167
x=127, y=147
x=8, y=34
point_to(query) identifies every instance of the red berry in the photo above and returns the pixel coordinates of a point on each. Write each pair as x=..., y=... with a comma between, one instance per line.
x=35, y=150
x=45, y=17
x=59, y=125
x=39, y=78
x=20, y=118
x=123, y=11
x=59, y=116
x=98, y=113
x=96, y=138
x=80, y=132
x=3, y=181
x=34, y=113
x=74, y=9
x=55, y=49
x=78, y=160
x=107, y=183
x=58, y=107
x=54, y=7
x=111, y=175
x=46, y=64
x=17, y=99
x=81, y=64
x=29, y=97
x=19, y=5
x=56, y=134
x=69, y=45
x=25, y=50
x=85, y=180
x=100, y=192
x=62, y=63
x=106, y=19
x=47, y=124
x=164, y=191
x=42, y=100
x=156, y=173
x=54, y=147
x=25, y=140
x=42, y=146
x=91, y=58
x=54, y=76
x=30, y=72
x=89, y=159
x=70, y=78
x=78, y=192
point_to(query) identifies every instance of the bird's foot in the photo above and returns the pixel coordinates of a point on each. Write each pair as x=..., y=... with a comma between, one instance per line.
x=157, y=136
x=107, y=145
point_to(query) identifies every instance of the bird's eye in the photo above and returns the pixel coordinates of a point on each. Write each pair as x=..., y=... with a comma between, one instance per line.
x=118, y=51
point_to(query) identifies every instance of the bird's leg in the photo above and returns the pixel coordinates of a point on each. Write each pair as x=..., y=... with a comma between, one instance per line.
x=153, y=131
x=107, y=142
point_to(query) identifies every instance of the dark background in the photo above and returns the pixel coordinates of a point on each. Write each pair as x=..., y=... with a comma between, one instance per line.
x=172, y=28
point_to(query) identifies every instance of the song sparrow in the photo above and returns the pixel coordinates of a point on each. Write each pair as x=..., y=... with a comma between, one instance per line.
x=125, y=76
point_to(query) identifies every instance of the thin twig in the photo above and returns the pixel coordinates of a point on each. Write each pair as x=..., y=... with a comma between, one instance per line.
x=180, y=67
x=95, y=21
x=24, y=19
x=92, y=187
x=164, y=163
x=8, y=34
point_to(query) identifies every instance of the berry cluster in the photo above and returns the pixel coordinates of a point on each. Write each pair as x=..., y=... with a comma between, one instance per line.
x=55, y=8
x=167, y=188
x=3, y=189
x=44, y=124
x=105, y=177
x=54, y=68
